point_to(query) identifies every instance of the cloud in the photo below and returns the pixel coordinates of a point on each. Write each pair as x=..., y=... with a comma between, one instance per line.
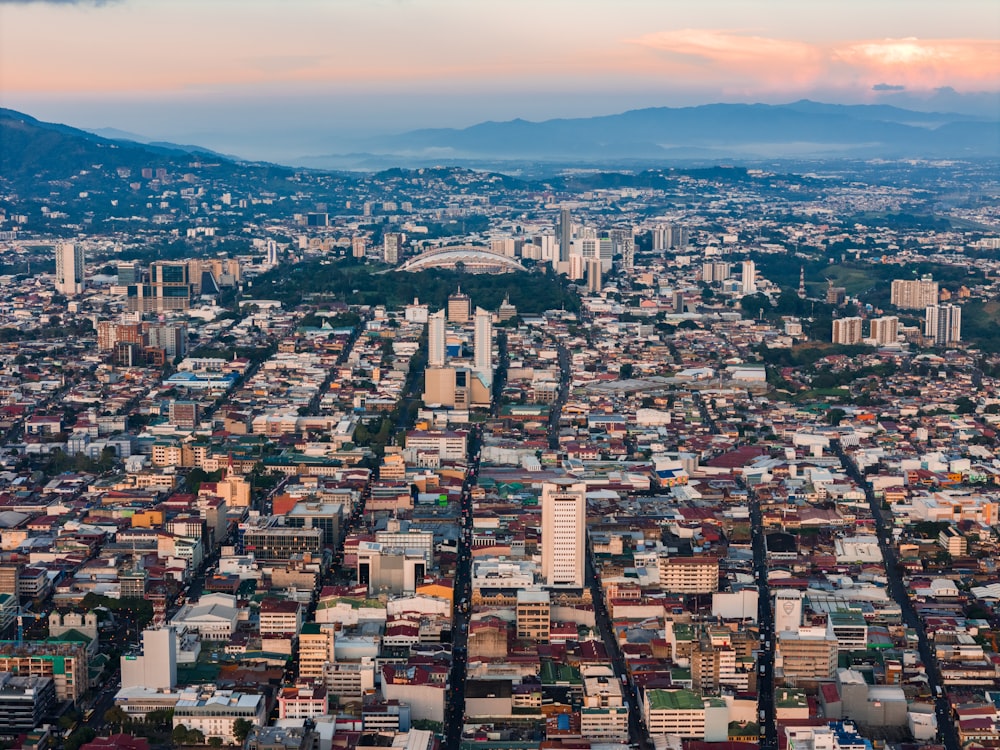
x=888, y=87
x=730, y=52
x=924, y=63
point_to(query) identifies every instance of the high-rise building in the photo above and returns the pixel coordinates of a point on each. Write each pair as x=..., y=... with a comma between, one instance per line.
x=911, y=294
x=847, y=331
x=272, y=253
x=110, y=333
x=459, y=308
x=359, y=246
x=156, y=668
x=169, y=288
x=69, y=269
x=436, y=345
x=564, y=511
x=787, y=610
x=171, y=337
x=129, y=274
x=391, y=243
x=885, y=330
x=565, y=235
x=594, y=275
x=943, y=324
x=749, y=278
x=483, y=345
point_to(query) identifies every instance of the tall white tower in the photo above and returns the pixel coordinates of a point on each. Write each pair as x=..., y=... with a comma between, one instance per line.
x=436, y=348
x=787, y=611
x=749, y=278
x=69, y=269
x=483, y=343
x=272, y=253
x=564, y=520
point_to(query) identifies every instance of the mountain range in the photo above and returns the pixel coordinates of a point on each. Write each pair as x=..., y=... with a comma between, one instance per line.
x=803, y=129
x=31, y=149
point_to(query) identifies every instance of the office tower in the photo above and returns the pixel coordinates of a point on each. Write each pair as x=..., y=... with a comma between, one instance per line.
x=359, y=247
x=390, y=248
x=272, y=254
x=171, y=337
x=835, y=295
x=565, y=235
x=169, y=288
x=436, y=348
x=943, y=324
x=628, y=253
x=711, y=272
x=156, y=668
x=69, y=269
x=459, y=308
x=129, y=274
x=749, y=277
x=594, y=275
x=914, y=295
x=564, y=511
x=111, y=333
x=885, y=330
x=483, y=344
x=847, y=331
x=677, y=237
x=787, y=611
x=606, y=251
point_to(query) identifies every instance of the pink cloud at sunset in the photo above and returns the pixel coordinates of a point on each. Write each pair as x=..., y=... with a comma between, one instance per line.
x=775, y=64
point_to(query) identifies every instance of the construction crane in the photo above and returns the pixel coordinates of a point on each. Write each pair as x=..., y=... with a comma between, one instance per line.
x=22, y=612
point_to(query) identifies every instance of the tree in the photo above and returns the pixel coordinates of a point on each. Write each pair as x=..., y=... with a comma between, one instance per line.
x=625, y=371
x=215, y=742
x=117, y=717
x=835, y=416
x=241, y=729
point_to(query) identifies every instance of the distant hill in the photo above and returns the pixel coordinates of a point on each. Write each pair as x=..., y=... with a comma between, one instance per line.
x=802, y=129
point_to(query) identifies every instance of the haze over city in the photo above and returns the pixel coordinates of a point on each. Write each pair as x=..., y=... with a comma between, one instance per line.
x=274, y=80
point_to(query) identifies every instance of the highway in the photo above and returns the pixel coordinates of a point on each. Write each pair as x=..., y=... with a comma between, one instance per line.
x=946, y=727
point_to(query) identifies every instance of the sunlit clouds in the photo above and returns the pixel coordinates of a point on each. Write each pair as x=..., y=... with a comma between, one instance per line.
x=770, y=64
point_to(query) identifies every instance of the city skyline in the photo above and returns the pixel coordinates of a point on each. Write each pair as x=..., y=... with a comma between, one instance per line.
x=310, y=71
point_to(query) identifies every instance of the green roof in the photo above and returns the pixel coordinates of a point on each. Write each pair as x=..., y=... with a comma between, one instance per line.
x=674, y=700
x=790, y=698
x=310, y=628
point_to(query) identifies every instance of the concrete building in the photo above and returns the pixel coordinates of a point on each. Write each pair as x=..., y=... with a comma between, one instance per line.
x=423, y=688
x=436, y=342
x=807, y=655
x=156, y=667
x=387, y=570
x=847, y=331
x=459, y=308
x=943, y=324
x=689, y=575
x=913, y=294
x=534, y=612
x=885, y=330
x=604, y=713
x=213, y=712
x=483, y=346
x=65, y=663
x=24, y=702
x=564, y=509
x=748, y=278
x=69, y=269
x=787, y=611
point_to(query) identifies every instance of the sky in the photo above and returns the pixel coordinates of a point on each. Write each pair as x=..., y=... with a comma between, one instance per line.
x=277, y=79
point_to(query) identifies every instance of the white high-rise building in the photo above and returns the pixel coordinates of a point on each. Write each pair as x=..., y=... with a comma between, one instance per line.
x=787, y=611
x=69, y=269
x=564, y=522
x=390, y=248
x=749, y=277
x=885, y=330
x=156, y=668
x=483, y=345
x=847, y=331
x=436, y=345
x=272, y=253
x=913, y=294
x=943, y=324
